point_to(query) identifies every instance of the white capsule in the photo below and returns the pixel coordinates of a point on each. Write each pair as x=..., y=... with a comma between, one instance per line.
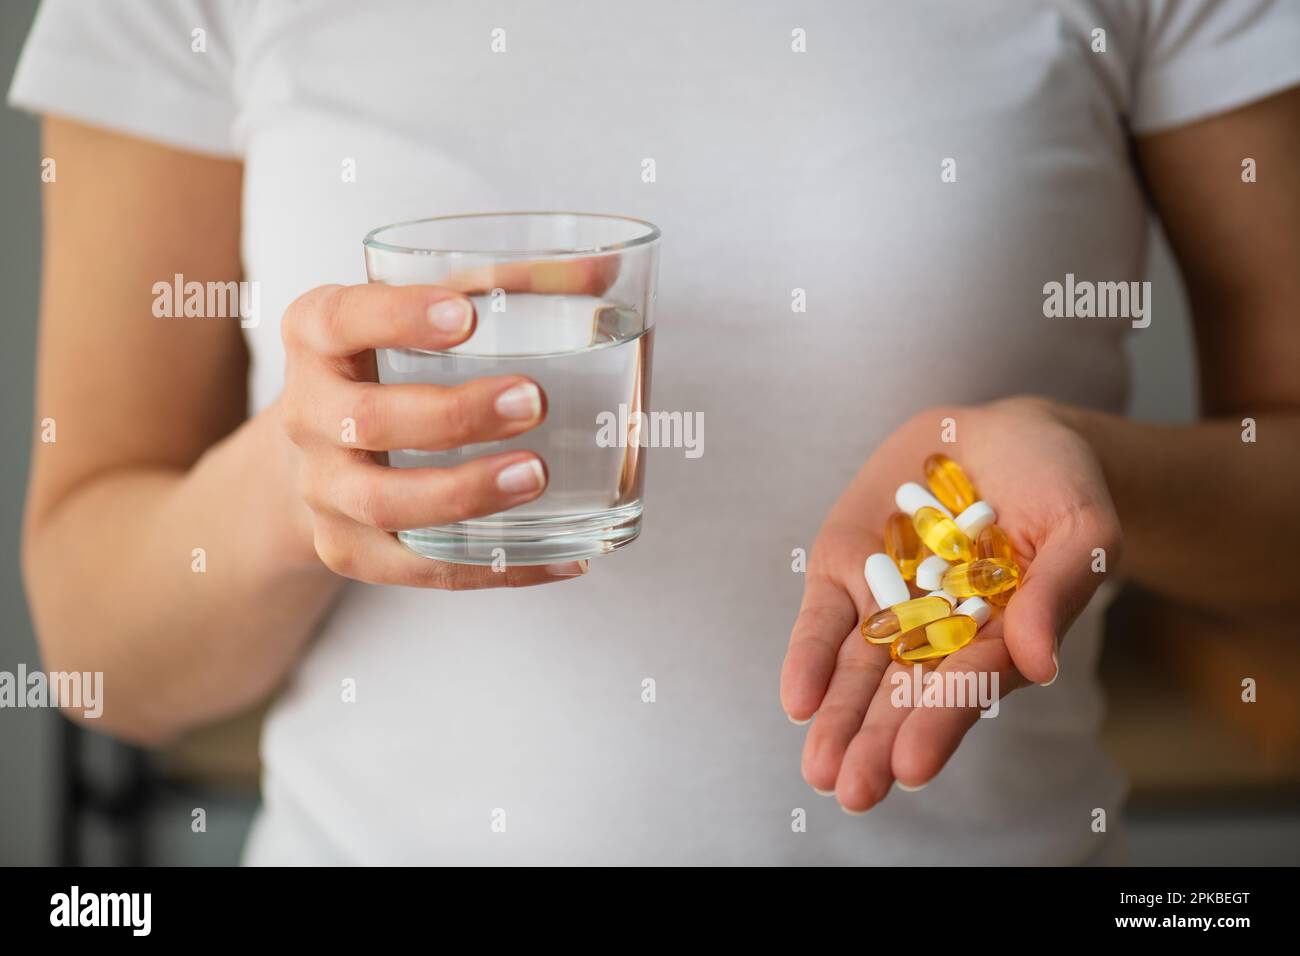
x=886, y=583
x=940, y=592
x=977, y=608
x=976, y=518
x=911, y=498
x=929, y=573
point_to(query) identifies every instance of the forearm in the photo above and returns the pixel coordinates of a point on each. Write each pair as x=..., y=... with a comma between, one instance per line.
x=1209, y=520
x=118, y=584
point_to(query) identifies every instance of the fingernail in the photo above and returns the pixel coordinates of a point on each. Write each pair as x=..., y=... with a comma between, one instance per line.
x=1056, y=661
x=523, y=402
x=852, y=813
x=450, y=315
x=824, y=793
x=570, y=570
x=521, y=477
x=797, y=723
x=902, y=786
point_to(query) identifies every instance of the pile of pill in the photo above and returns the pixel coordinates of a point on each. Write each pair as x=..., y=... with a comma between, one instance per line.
x=945, y=541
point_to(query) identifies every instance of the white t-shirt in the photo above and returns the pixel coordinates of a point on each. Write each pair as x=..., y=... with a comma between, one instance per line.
x=775, y=170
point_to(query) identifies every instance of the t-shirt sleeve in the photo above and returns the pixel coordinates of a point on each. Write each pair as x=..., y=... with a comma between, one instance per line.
x=157, y=69
x=1201, y=57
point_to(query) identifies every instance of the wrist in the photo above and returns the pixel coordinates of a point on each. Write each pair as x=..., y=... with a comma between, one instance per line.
x=1110, y=439
x=1096, y=429
x=286, y=521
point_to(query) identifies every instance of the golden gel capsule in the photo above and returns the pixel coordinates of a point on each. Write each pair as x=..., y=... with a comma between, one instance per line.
x=912, y=646
x=951, y=633
x=949, y=483
x=883, y=626
x=903, y=545
x=993, y=542
x=941, y=535
x=941, y=637
x=983, y=577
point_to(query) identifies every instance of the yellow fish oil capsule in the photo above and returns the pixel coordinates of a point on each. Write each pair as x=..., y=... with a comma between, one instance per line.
x=949, y=483
x=942, y=536
x=883, y=626
x=955, y=632
x=994, y=543
x=982, y=577
x=903, y=545
x=941, y=637
x=912, y=647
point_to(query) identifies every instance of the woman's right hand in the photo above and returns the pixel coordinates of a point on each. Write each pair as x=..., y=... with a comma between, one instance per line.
x=340, y=418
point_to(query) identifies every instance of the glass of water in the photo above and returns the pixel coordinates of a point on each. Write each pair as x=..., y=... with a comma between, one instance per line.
x=566, y=299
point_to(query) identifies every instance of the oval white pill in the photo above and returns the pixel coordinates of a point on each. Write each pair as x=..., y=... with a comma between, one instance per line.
x=885, y=581
x=940, y=592
x=929, y=573
x=976, y=518
x=977, y=608
x=911, y=498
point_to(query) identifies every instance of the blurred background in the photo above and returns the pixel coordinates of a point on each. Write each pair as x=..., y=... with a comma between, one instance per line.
x=1215, y=781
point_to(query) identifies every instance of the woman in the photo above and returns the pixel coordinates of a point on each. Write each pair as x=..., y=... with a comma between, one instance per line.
x=921, y=171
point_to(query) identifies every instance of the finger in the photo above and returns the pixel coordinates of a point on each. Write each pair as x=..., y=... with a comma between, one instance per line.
x=930, y=735
x=394, y=499
x=1058, y=583
x=342, y=320
x=428, y=417
x=826, y=617
x=584, y=275
x=867, y=773
x=367, y=554
x=839, y=717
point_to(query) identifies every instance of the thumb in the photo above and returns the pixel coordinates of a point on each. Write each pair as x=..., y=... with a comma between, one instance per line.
x=1057, y=585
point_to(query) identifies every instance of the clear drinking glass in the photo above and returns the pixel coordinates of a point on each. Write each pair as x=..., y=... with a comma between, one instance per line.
x=566, y=299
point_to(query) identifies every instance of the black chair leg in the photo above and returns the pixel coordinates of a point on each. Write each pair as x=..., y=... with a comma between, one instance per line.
x=71, y=794
x=124, y=806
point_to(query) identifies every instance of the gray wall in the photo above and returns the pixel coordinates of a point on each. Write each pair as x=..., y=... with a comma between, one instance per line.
x=1163, y=391
x=27, y=737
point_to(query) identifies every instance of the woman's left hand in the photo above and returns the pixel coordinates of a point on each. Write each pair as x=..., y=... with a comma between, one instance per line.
x=1051, y=498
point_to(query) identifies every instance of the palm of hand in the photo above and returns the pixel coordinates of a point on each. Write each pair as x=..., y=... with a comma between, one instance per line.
x=1051, y=498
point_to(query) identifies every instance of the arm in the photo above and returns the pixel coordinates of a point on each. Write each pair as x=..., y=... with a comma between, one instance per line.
x=151, y=459
x=1209, y=520
x=154, y=458
x=1191, y=512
